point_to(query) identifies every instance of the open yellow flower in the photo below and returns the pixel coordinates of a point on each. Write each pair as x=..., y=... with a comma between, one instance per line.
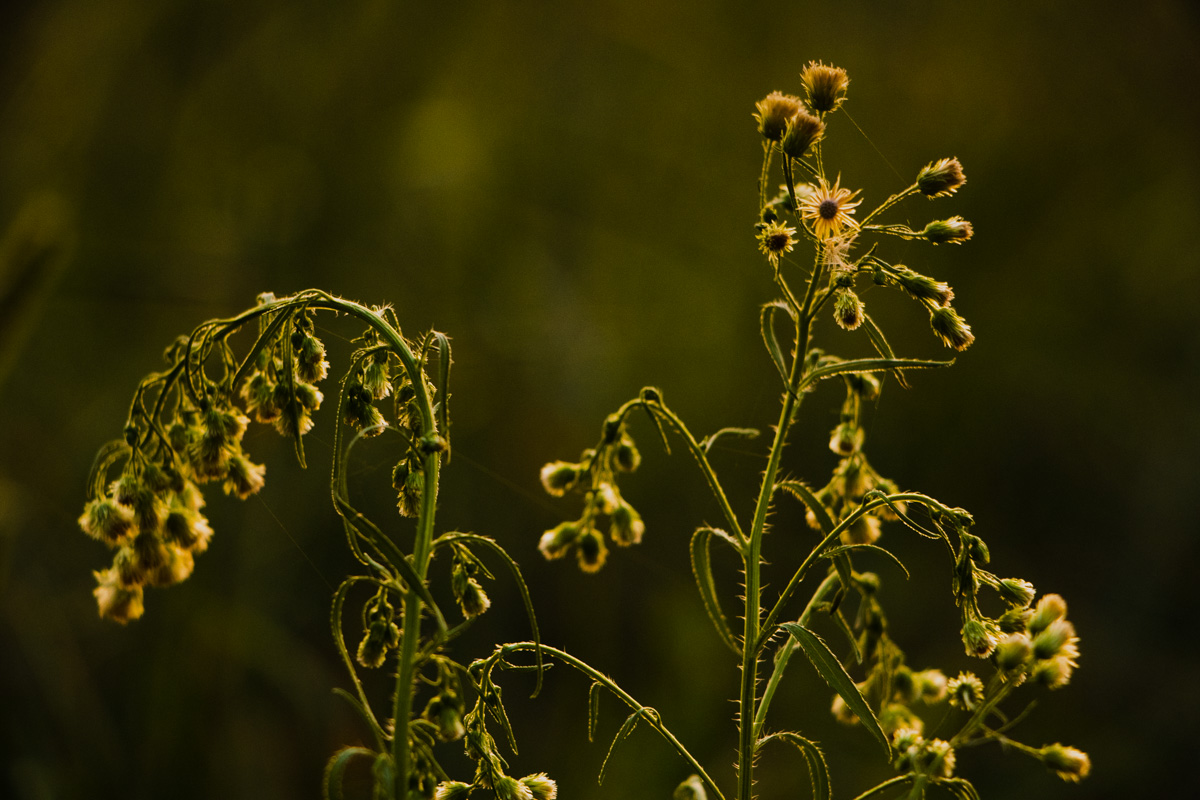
x=828, y=208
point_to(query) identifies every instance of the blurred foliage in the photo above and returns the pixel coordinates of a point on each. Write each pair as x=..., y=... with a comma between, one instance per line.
x=568, y=189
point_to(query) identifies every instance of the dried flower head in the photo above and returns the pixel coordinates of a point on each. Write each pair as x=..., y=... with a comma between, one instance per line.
x=848, y=309
x=773, y=113
x=802, y=132
x=452, y=790
x=965, y=691
x=828, y=208
x=941, y=178
x=541, y=786
x=775, y=240
x=117, y=602
x=826, y=86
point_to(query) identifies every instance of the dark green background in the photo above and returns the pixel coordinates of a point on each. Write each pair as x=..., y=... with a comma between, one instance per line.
x=568, y=190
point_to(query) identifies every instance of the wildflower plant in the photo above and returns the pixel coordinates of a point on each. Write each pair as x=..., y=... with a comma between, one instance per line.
x=185, y=429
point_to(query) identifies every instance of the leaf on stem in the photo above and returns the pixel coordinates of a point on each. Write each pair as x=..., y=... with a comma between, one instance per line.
x=834, y=551
x=335, y=770
x=880, y=343
x=707, y=442
x=869, y=365
x=766, y=319
x=443, y=388
x=702, y=569
x=818, y=770
x=263, y=340
x=626, y=728
x=833, y=673
x=593, y=709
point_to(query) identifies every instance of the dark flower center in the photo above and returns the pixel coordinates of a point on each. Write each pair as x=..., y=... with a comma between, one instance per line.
x=828, y=209
x=778, y=241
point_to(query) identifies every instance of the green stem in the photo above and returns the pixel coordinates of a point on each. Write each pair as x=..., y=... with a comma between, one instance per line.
x=650, y=716
x=899, y=780
x=785, y=653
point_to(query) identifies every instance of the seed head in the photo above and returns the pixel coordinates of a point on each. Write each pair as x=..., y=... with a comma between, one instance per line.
x=941, y=178
x=802, y=132
x=826, y=86
x=773, y=113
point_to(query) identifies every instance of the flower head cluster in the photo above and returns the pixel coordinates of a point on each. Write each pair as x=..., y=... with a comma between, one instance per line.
x=595, y=476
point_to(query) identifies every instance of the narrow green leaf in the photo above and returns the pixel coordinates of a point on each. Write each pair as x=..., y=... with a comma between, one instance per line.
x=522, y=587
x=702, y=569
x=499, y=713
x=746, y=433
x=832, y=671
x=356, y=704
x=959, y=787
x=801, y=492
x=593, y=709
x=766, y=322
x=869, y=365
x=335, y=770
x=626, y=728
x=880, y=343
x=844, y=626
x=818, y=769
x=443, y=388
x=833, y=551
x=263, y=340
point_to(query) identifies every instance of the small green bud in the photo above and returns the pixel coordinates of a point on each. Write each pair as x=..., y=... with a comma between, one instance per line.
x=1013, y=651
x=310, y=359
x=1058, y=636
x=452, y=790
x=847, y=438
x=897, y=716
x=864, y=530
x=690, y=789
x=541, y=786
x=409, y=500
x=1070, y=764
x=1014, y=620
x=473, y=601
x=922, y=287
x=559, y=476
x=627, y=526
x=930, y=685
x=626, y=456
x=980, y=636
x=848, y=310
x=955, y=230
x=557, y=541
x=1016, y=591
x=942, y=178
x=507, y=788
x=591, y=551
x=1049, y=608
x=376, y=378
x=1053, y=673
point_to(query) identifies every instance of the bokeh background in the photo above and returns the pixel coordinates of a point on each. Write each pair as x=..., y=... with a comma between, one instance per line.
x=568, y=189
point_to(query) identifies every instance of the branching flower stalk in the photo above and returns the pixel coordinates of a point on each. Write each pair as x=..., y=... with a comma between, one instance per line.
x=1024, y=643
x=185, y=428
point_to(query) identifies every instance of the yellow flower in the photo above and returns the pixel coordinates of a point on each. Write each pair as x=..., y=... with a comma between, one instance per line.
x=776, y=239
x=829, y=208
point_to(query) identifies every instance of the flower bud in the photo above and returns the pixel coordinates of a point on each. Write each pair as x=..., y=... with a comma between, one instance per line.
x=310, y=359
x=980, y=636
x=376, y=379
x=848, y=309
x=541, y=786
x=951, y=328
x=626, y=457
x=1053, y=673
x=381, y=636
x=558, y=477
x=864, y=530
x=941, y=178
x=1013, y=651
x=187, y=529
x=930, y=685
x=452, y=790
x=1014, y=620
x=592, y=551
x=847, y=438
x=897, y=716
x=802, y=132
x=826, y=86
x=922, y=287
x=1016, y=591
x=690, y=789
x=409, y=499
x=507, y=788
x=1057, y=639
x=473, y=601
x=1049, y=608
x=557, y=541
x=115, y=601
x=773, y=113
x=1070, y=764
x=107, y=521
x=955, y=230
x=243, y=477
x=175, y=569
x=627, y=527
x=939, y=758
